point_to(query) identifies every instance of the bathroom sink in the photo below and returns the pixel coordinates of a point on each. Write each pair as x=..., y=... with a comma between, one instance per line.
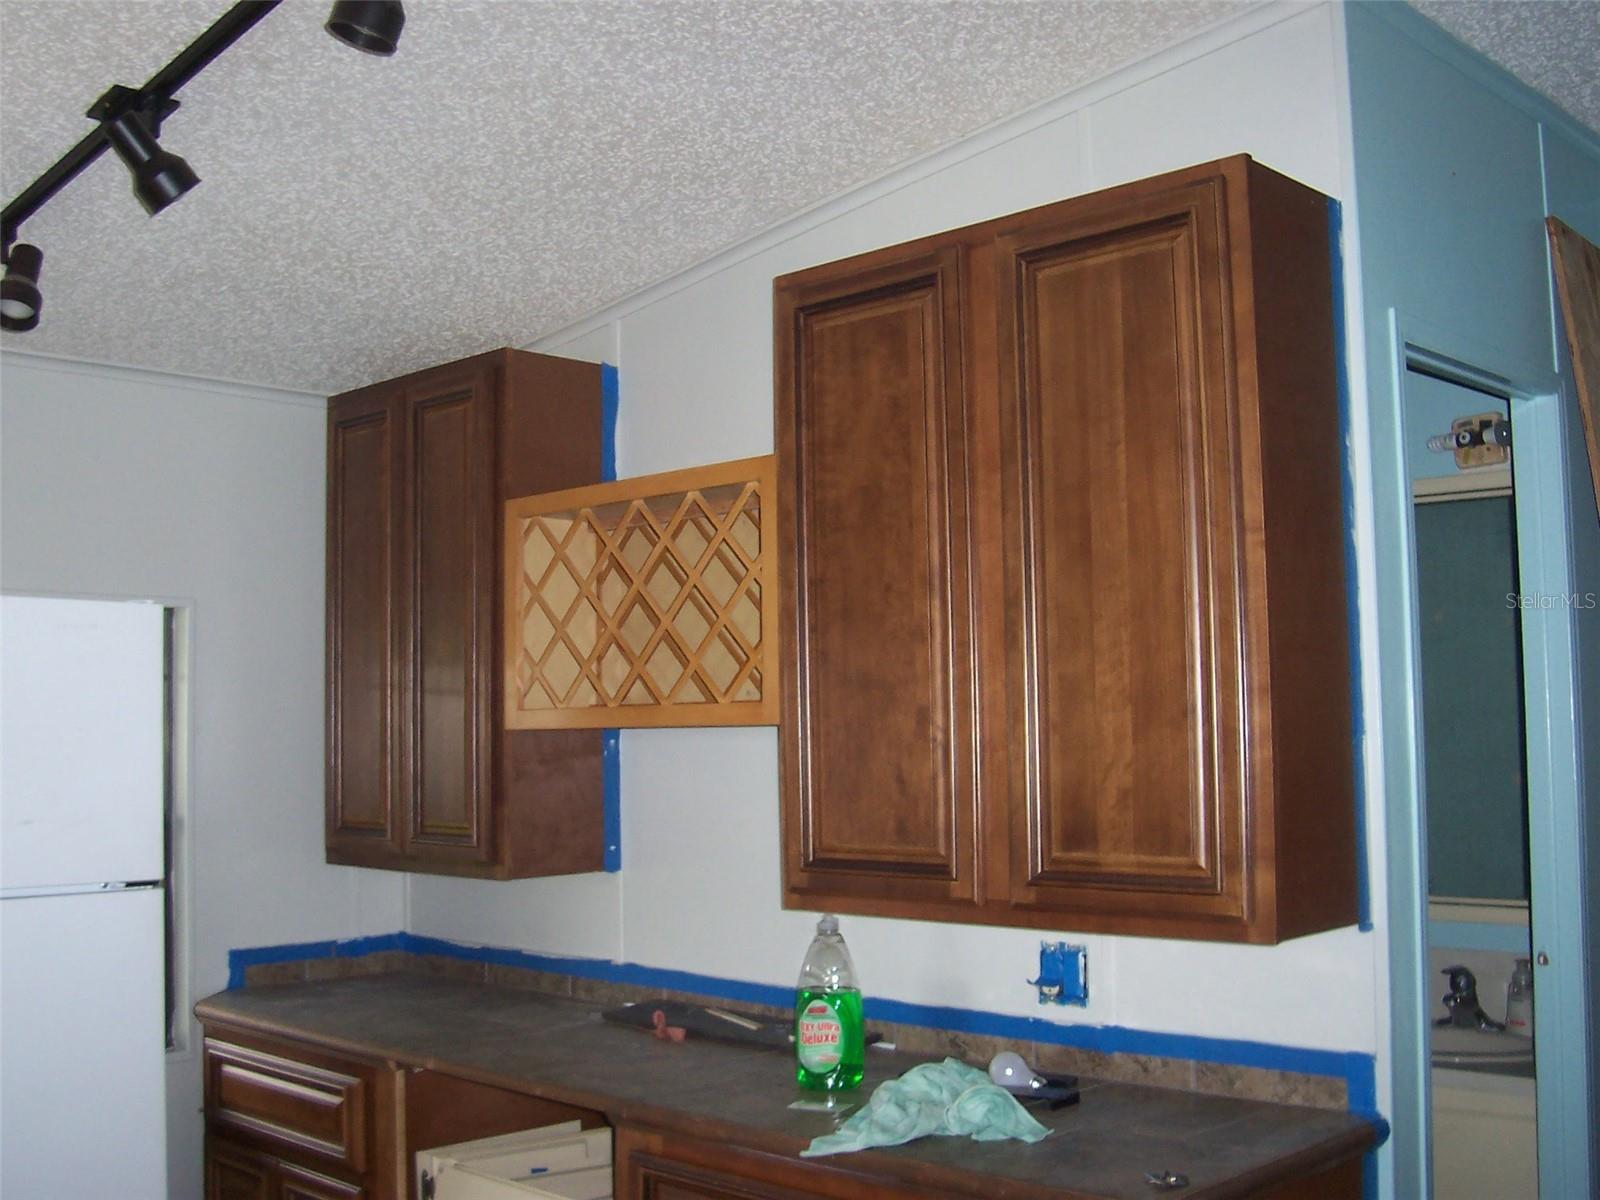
x=1456, y=1047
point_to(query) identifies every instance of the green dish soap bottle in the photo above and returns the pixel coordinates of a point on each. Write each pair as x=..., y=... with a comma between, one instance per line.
x=829, y=1037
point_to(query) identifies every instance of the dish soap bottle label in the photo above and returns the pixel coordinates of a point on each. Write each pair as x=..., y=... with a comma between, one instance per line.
x=820, y=1036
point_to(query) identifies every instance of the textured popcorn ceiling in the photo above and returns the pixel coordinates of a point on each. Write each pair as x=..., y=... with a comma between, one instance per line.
x=521, y=163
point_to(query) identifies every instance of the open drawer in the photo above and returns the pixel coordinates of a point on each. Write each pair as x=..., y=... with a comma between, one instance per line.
x=563, y=1162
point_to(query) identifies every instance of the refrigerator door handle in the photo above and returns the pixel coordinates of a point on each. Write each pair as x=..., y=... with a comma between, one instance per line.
x=79, y=889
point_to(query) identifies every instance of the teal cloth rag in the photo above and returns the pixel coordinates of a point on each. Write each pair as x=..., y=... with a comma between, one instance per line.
x=931, y=1099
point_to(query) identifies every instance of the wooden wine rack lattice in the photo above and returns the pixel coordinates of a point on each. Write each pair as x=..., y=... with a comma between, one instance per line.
x=644, y=602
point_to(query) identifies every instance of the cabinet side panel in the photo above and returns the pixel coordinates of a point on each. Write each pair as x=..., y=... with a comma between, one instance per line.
x=549, y=781
x=1312, y=758
x=361, y=630
x=878, y=786
x=1119, y=464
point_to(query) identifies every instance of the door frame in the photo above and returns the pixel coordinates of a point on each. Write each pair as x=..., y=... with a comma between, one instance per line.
x=1555, y=815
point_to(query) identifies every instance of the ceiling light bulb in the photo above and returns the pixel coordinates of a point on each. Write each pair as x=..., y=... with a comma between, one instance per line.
x=19, y=290
x=159, y=176
x=372, y=26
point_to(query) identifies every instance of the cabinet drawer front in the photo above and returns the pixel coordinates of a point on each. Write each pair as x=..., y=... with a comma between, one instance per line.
x=878, y=786
x=651, y=1165
x=1121, y=476
x=296, y=1183
x=289, y=1104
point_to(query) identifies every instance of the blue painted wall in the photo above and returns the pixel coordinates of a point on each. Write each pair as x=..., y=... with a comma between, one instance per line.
x=1453, y=164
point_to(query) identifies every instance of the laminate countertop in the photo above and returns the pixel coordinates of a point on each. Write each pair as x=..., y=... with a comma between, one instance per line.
x=562, y=1050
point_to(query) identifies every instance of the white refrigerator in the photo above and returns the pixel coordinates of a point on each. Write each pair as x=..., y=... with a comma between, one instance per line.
x=82, y=918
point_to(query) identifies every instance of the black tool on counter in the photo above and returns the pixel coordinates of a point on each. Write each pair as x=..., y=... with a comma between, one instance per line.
x=718, y=1024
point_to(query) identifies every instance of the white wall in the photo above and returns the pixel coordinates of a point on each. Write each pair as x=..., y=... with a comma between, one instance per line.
x=120, y=483
x=700, y=885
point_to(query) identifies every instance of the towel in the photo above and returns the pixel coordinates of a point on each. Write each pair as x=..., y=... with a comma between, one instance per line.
x=948, y=1098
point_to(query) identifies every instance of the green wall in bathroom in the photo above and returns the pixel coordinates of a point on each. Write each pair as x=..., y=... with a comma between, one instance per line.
x=1471, y=699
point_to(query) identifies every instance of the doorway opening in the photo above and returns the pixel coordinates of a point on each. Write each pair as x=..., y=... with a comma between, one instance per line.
x=1473, y=798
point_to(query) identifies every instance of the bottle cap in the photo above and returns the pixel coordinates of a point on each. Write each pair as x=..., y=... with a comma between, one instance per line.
x=828, y=924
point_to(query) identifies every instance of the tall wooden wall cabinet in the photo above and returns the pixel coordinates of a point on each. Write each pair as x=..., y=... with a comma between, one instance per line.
x=421, y=774
x=1062, y=547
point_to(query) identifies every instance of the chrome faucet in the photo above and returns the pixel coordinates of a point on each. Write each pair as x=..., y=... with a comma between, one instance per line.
x=1461, y=1003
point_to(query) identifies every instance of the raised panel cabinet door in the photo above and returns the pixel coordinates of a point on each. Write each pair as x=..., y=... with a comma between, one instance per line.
x=1120, y=457
x=233, y=1173
x=364, y=497
x=451, y=559
x=877, y=734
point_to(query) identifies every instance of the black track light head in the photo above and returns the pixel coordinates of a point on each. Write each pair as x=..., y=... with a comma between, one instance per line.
x=372, y=26
x=19, y=290
x=159, y=176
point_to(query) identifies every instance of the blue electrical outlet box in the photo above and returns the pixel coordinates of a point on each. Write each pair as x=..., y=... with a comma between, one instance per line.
x=1063, y=974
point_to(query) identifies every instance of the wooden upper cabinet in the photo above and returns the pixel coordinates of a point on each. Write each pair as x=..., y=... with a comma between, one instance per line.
x=877, y=729
x=1161, y=652
x=421, y=776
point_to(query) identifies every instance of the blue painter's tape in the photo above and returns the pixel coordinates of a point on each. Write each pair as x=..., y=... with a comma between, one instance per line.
x=610, y=745
x=611, y=796
x=1356, y=1069
x=610, y=398
x=1351, y=600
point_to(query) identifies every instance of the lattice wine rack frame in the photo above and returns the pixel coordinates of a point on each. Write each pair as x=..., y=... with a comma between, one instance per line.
x=646, y=602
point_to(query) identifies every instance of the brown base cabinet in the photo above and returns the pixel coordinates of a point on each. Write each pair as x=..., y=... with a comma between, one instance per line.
x=1062, y=545
x=296, y=1097
x=655, y=1165
x=283, y=1120
x=421, y=774
x=287, y=1121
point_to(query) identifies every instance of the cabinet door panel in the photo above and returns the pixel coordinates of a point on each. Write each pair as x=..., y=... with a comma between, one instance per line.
x=450, y=484
x=236, y=1174
x=363, y=511
x=878, y=757
x=1120, y=464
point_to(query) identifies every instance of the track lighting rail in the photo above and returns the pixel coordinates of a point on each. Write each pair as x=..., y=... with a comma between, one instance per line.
x=129, y=121
x=153, y=102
